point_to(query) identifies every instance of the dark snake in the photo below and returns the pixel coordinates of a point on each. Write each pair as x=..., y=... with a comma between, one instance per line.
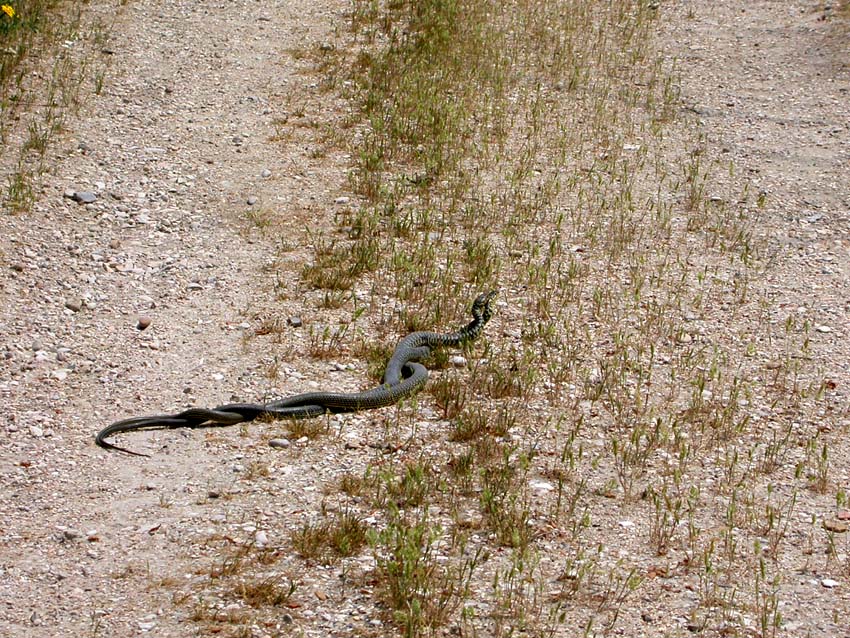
x=403, y=377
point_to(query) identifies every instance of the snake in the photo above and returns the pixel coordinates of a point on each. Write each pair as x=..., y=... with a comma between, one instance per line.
x=403, y=377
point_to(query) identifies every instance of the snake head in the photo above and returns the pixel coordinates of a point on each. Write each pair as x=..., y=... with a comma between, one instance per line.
x=482, y=307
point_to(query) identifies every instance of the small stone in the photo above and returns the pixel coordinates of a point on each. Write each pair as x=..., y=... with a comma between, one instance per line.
x=457, y=361
x=295, y=322
x=261, y=539
x=69, y=193
x=341, y=200
x=541, y=486
x=286, y=619
x=251, y=200
x=836, y=526
x=37, y=345
x=843, y=515
x=146, y=626
x=74, y=305
x=238, y=139
x=829, y=583
x=115, y=244
x=84, y=197
x=266, y=173
x=353, y=444
x=144, y=322
x=213, y=494
x=61, y=374
x=36, y=431
x=823, y=329
x=281, y=443
x=195, y=286
x=70, y=534
x=320, y=594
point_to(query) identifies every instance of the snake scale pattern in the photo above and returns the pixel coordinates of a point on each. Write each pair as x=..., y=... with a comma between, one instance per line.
x=403, y=377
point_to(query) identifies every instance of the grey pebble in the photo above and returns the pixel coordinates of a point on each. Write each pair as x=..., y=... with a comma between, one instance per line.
x=84, y=197
x=281, y=443
x=251, y=200
x=266, y=173
x=295, y=322
x=74, y=305
x=144, y=322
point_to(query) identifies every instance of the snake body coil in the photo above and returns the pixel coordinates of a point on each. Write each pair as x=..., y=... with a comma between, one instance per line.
x=403, y=377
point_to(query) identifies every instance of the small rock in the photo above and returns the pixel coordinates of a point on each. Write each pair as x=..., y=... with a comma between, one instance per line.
x=321, y=595
x=74, y=305
x=238, y=139
x=286, y=619
x=70, y=534
x=836, y=526
x=261, y=539
x=823, y=328
x=84, y=197
x=266, y=173
x=69, y=193
x=542, y=486
x=353, y=444
x=829, y=583
x=282, y=443
x=457, y=361
x=251, y=200
x=341, y=200
x=36, y=431
x=295, y=322
x=213, y=494
x=843, y=515
x=61, y=374
x=115, y=244
x=195, y=286
x=146, y=626
x=144, y=322
x=37, y=345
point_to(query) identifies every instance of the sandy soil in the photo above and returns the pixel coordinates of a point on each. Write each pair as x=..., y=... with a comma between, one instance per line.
x=185, y=134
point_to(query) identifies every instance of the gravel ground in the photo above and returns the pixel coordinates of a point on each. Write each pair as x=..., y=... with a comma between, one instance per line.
x=183, y=137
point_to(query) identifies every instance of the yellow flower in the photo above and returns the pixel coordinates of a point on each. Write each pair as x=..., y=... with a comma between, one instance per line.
x=8, y=10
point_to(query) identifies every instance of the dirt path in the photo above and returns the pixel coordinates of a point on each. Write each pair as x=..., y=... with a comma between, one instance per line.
x=186, y=133
x=180, y=140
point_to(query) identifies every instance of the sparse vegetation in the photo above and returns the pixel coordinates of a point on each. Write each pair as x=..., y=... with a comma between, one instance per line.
x=538, y=148
x=50, y=55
